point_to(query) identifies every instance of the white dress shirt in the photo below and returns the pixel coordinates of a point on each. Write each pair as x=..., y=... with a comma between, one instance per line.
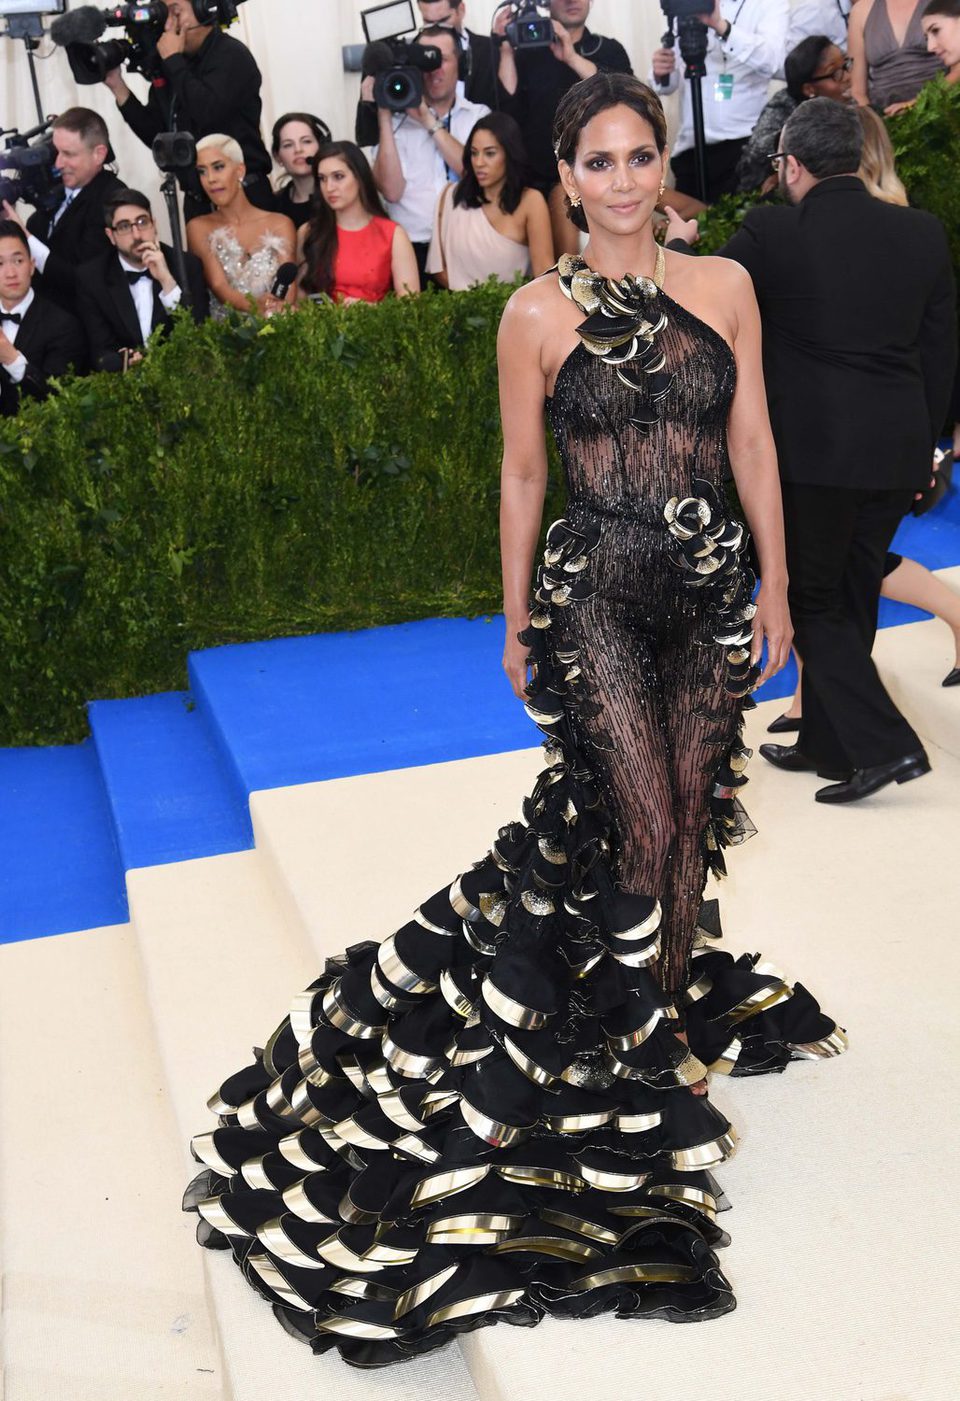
x=39, y=250
x=827, y=17
x=18, y=368
x=142, y=294
x=751, y=55
x=424, y=169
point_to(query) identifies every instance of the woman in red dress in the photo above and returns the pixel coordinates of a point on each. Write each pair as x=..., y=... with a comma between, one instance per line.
x=349, y=249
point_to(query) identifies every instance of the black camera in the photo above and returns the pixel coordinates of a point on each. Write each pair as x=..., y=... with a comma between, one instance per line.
x=685, y=9
x=90, y=62
x=174, y=151
x=401, y=85
x=530, y=28
x=27, y=169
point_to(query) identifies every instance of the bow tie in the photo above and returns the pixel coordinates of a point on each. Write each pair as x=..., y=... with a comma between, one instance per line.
x=134, y=277
x=15, y=316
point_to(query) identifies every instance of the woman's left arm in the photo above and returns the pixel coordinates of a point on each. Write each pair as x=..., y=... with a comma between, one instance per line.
x=403, y=265
x=753, y=457
x=539, y=233
x=282, y=228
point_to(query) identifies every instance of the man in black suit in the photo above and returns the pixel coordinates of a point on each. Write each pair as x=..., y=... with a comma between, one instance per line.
x=130, y=291
x=858, y=305
x=209, y=83
x=480, y=82
x=73, y=233
x=38, y=340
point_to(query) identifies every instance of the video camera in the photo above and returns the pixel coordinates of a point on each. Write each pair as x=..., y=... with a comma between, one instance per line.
x=90, y=61
x=530, y=27
x=27, y=169
x=397, y=63
x=685, y=9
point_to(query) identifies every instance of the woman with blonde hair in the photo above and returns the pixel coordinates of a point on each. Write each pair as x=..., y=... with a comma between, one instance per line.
x=877, y=164
x=241, y=247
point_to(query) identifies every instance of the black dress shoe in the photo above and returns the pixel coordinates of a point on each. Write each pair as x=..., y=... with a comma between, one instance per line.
x=786, y=725
x=788, y=757
x=877, y=776
x=951, y=679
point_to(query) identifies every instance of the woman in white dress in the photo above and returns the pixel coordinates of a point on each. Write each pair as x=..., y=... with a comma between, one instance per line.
x=491, y=224
x=241, y=247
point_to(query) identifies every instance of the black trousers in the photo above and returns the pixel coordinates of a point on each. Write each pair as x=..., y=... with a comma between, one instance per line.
x=837, y=542
x=722, y=158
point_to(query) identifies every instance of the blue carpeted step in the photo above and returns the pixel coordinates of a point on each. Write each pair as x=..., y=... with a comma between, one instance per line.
x=302, y=709
x=59, y=865
x=171, y=795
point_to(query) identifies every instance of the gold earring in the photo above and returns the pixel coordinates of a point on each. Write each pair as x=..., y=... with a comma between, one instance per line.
x=575, y=201
x=662, y=189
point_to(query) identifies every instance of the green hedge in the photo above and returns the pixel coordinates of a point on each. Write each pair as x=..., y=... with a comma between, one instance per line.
x=333, y=469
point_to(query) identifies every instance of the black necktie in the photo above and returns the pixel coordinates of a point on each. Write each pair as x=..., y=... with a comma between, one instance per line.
x=134, y=277
x=15, y=316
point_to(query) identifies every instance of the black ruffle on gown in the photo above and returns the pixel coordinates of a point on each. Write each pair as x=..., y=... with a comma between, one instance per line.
x=488, y=1117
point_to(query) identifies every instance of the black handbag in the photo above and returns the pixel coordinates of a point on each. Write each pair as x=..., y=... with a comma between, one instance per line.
x=942, y=483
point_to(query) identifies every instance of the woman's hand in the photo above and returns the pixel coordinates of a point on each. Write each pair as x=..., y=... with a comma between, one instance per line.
x=515, y=655
x=771, y=623
x=897, y=107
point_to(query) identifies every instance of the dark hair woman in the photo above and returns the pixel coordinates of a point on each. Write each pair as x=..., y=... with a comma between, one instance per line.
x=492, y=224
x=297, y=137
x=541, y=1014
x=349, y=250
x=941, y=25
x=814, y=68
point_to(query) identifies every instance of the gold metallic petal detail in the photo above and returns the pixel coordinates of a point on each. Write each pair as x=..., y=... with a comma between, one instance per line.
x=275, y=1281
x=638, y=1123
x=247, y=1114
x=425, y=923
x=334, y=1252
x=397, y=1112
x=581, y=970
x=698, y=989
x=362, y=1289
x=353, y=1328
x=309, y=1115
x=705, y=1155
x=690, y=1071
x=529, y=1067
x=482, y=1303
x=556, y=1246
x=436, y=1100
x=455, y=1056
x=476, y=943
x=338, y=1014
x=215, y=1213
x=464, y=908
x=508, y=1010
x=552, y=852
x=306, y=1060
x=578, y=1123
x=458, y=1001
x=590, y=1229
x=414, y=1147
x=419, y=1293
x=278, y=1102
x=833, y=1045
x=690, y=1196
x=614, y=1181
x=254, y=1175
x=398, y=973
x=542, y=1177
x=205, y=1149
x=406, y=1063
x=487, y=1223
x=634, y=1274
x=639, y=1035
x=727, y=1059
x=491, y=1130
x=388, y=1000
x=217, y=1105
x=272, y=1236
x=447, y=1184
x=378, y=1079
x=296, y=1200
x=642, y=957
x=493, y=907
x=301, y=1019
x=294, y=1153
x=387, y=1255
x=645, y=927
x=353, y=1214
x=760, y=1001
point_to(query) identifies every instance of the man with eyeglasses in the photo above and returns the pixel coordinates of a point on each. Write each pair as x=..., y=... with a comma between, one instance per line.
x=130, y=292
x=480, y=82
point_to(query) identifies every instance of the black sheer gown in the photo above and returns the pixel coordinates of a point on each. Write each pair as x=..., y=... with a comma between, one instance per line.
x=490, y=1115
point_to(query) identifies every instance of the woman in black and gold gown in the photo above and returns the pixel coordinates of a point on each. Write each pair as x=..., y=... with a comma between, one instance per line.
x=500, y=1111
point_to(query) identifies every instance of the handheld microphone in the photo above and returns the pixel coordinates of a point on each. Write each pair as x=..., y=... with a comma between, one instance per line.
x=286, y=276
x=83, y=26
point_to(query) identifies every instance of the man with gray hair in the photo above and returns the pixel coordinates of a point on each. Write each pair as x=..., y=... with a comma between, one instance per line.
x=858, y=306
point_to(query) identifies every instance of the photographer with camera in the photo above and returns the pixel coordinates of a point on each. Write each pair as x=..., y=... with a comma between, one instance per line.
x=420, y=149
x=746, y=47
x=72, y=233
x=208, y=82
x=534, y=77
x=130, y=292
x=480, y=79
x=38, y=339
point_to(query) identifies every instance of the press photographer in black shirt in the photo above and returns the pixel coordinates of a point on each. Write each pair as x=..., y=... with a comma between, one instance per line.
x=211, y=83
x=533, y=82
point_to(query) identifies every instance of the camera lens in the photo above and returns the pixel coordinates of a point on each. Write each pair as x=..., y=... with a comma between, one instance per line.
x=399, y=90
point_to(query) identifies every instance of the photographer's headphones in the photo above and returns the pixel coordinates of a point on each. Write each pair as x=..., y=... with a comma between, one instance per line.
x=464, y=56
x=208, y=12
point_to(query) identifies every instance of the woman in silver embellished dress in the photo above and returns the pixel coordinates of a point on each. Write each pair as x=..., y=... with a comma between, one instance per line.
x=241, y=247
x=500, y=1112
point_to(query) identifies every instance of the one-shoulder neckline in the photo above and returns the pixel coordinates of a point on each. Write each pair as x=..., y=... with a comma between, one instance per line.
x=691, y=316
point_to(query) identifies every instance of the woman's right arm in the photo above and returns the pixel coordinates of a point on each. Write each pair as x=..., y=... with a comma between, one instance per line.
x=856, y=50
x=403, y=265
x=523, y=478
x=198, y=242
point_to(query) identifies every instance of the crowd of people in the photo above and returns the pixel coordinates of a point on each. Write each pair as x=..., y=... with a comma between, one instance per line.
x=462, y=188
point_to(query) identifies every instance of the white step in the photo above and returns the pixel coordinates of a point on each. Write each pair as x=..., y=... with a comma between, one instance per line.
x=222, y=965
x=104, y=1296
